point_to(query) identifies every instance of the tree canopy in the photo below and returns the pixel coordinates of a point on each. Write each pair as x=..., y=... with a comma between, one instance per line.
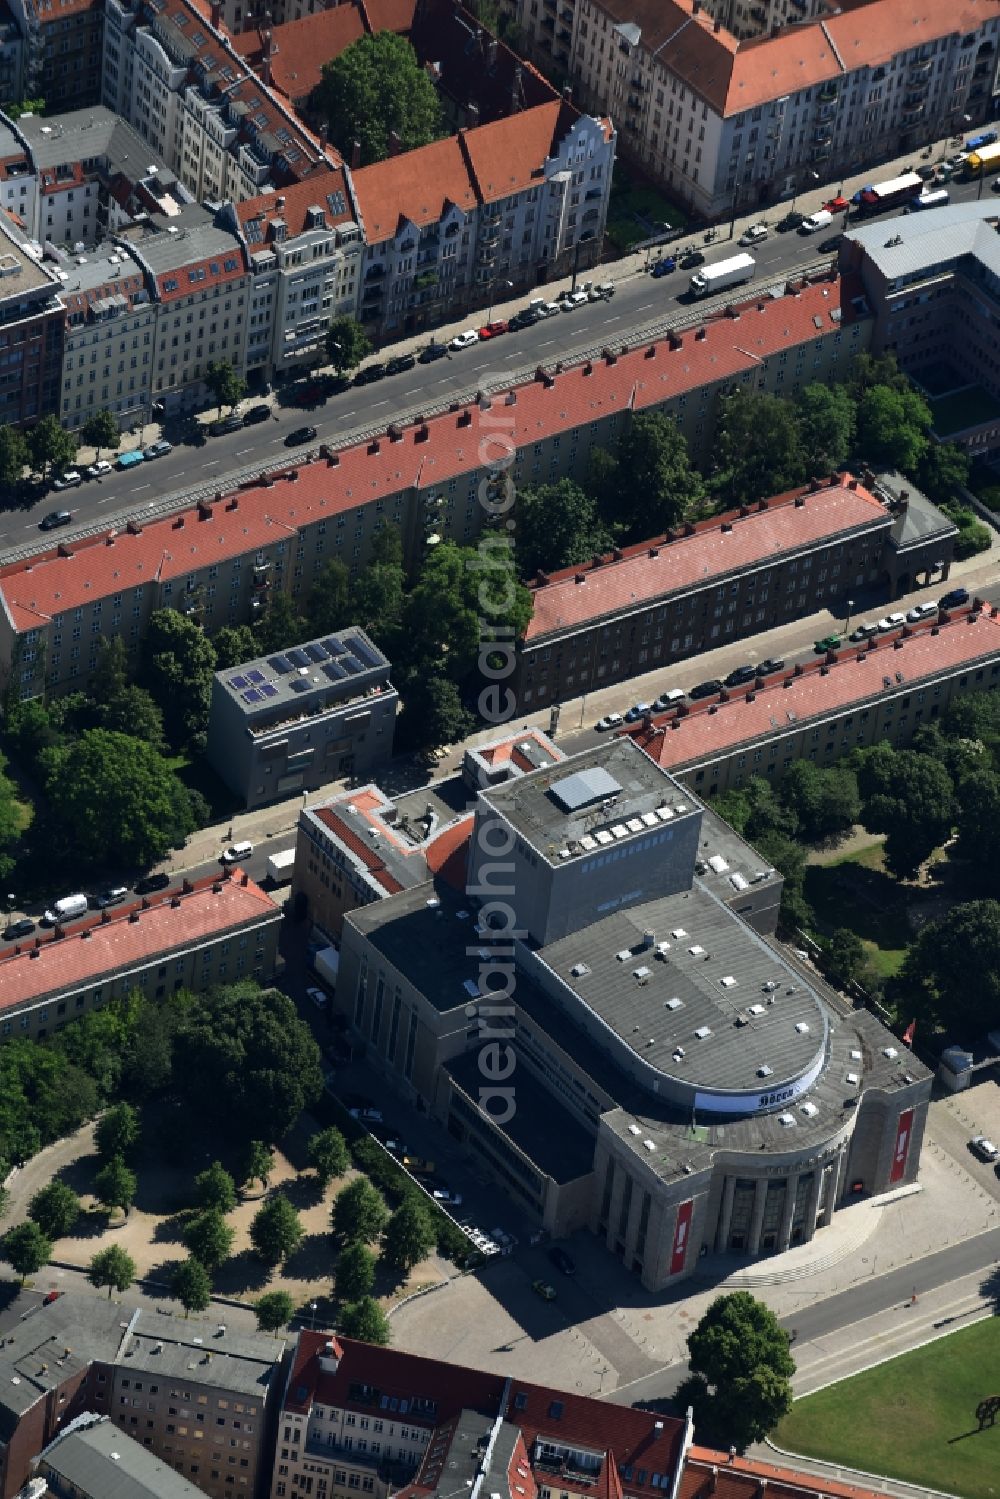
x=409, y=1236
x=112, y=1267
x=177, y=665
x=50, y=446
x=909, y=796
x=376, y=93
x=55, y=1208
x=101, y=430
x=347, y=343
x=355, y=1272
x=27, y=1248
x=328, y=1154
x=209, y=1237
x=215, y=1188
x=276, y=1231
x=557, y=526
x=225, y=383
x=952, y=971
x=359, y=1212
x=273, y=1310
x=115, y=1185
x=118, y=1131
x=742, y=1371
x=14, y=458
x=234, y=644
x=758, y=447
x=192, y=1285
x=826, y=422
x=650, y=484
x=893, y=427
x=366, y=1321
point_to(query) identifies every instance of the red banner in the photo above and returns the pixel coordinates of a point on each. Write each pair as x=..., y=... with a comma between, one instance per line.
x=903, y=1131
x=681, y=1229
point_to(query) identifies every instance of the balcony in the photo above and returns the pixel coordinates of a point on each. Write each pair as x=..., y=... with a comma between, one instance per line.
x=829, y=93
x=912, y=113
x=819, y=153
x=823, y=136
x=919, y=70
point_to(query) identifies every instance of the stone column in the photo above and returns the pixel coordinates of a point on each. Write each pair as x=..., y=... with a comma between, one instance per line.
x=785, y=1232
x=757, y=1216
x=837, y=1171
x=813, y=1204
x=725, y=1215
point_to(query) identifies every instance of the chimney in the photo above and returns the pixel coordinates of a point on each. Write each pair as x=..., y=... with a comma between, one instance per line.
x=473, y=113
x=216, y=14
x=717, y=27
x=395, y=145
x=355, y=155
x=568, y=92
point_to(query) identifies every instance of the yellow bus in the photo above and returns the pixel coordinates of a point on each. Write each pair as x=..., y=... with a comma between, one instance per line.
x=985, y=160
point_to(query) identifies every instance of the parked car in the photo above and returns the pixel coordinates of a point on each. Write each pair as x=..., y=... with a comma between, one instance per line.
x=832, y=245
x=891, y=622
x=231, y=423
x=22, y=928
x=316, y=997
x=493, y=330
x=400, y=364
x=609, y=721
x=705, y=689
x=544, y=1290
x=50, y=1296
x=99, y=469
x=562, y=1260
x=431, y=353
x=418, y=1165
x=300, y=435
x=984, y=1148
x=111, y=897
x=464, y=340
x=791, y=220
x=369, y=373
x=637, y=711
x=160, y=449
x=953, y=598
x=770, y=665
x=523, y=319
x=367, y=1115
x=445, y=1194
x=151, y=882
x=741, y=674
x=753, y=234
x=572, y=299
x=863, y=631
x=828, y=643
x=55, y=518
x=837, y=204
x=236, y=852
x=922, y=611
x=690, y=259
x=541, y=308
x=668, y=699
x=664, y=266
x=69, y=480
x=256, y=414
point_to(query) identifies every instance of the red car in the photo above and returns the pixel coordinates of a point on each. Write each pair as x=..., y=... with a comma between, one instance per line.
x=837, y=204
x=492, y=330
x=52, y=1296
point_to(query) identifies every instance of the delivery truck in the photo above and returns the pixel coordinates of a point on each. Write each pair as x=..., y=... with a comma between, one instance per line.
x=892, y=194
x=280, y=867
x=731, y=272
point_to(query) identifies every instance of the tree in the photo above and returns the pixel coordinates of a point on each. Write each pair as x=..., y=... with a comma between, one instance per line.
x=740, y=1351
x=215, y=1188
x=50, y=446
x=366, y=1321
x=377, y=593
x=952, y=970
x=557, y=526
x=329, y=604
x=651, y=485
x=177, y=666
x=55, y=1208
x=355, y=1272
x=118, y=1131
x=259, y=1163
x=876, y=369
x=359, y=1212
x=282, y=624
x=909, y=797
x=844, y=957
x=209, y=1238
x=434, y=714
x=825, y=800
x=328, y=1154
x=113, y=1268
x=276, y=1231
x=463, y=596
x=825, y=415
x=244, y=1059
x=347, y=344
x=14, y=458
x=117, y=799
x=226, y=385
x=378, y=94
x=12, y=820
x=27, y=1248
x=893, y=427
x=115, y=1185
x=943, y=471
x=192, y=1285
x=409, y=1236
x=758, y=448
x=233, y=645
x=116, y=703
x=101, y=431
x=273, y=1310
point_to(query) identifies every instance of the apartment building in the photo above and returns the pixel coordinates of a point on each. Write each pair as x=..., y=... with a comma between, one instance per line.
x=62, y=50
x=362, y=845
x=197, y=272
x=934, y=293
x=644, y=991
x=31, y=331
x=92, y=1459
x=198, y=1395
x=290, y=55
x=302, y=717
x=725, y=121
x=304, y=249
x=881, y=691
x=11, y=57
x=674, y=596
x=208, y=932
x=109, y=339
x=357, y=1418
x=18, y=179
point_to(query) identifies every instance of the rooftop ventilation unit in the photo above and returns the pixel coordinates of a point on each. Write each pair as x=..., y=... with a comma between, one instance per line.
x=662, y=948
x=642, y=975
x=634, y=1129
x=853, y=1079
x=739, y=882
x=769, y=987
x=678, y=1054
x=624, y=955
x=809, y=1109
x=728, y=982
x=703, y=1032
x=718, y=863
x=757, y=1009
x=801, y=1027
x=674, y=1004
x=696, y=950
x=764, y=1070
x=678, y=933
x=579, y=970
x=855, y=1056
x=649, y=1145
x=786, y=1120
x=890, y=1052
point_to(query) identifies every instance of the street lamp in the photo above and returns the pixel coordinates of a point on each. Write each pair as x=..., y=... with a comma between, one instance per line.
x=505, y=286
x=312, y=1315
x=847, y=621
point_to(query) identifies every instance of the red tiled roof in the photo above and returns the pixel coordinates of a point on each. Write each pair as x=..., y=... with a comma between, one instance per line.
x=724, y=544
x=707, y=1472
x=300, y=48
x=705, y=733
x=448, y=854
x=296, y=200
x=389, y=15
x=47, y=13
x=115, y=943
x=372, y=861
x=509, y=155
x=393, y=190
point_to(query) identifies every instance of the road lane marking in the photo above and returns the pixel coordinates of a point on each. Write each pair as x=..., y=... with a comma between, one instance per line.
x=139, y=488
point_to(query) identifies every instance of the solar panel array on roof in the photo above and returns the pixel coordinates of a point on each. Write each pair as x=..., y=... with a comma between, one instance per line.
x=350, y=666
x=279, y=664
x=583, y=789
x=297, y=657
x=256, y=676
x=335, y=671
x=364, y=652
x=316, y=652
x=269, y=690
x=238, y=682
x=253, y=695
x=336, y=202
x=334, y=646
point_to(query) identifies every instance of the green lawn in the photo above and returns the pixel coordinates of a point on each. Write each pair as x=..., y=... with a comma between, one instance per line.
x=856, y=892
x=913, y=1418
x=636, y=212
x=965, y=408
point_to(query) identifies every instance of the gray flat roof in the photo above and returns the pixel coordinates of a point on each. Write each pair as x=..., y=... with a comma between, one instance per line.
x=22, y=271
x=98, y=268
x=101, y=1462
x=191, y=235
x=330, y=672
x=423, y=932
x=85, y=134
x=610, y=792
x=931, y=238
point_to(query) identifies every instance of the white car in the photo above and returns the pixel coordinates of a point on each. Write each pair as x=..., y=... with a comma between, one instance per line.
x=983, y=1148
x=69, y=480
x=891, y=622
x=571, y=299
x=753, y=234
x=445, y=1194
x=96, y=470
x=922, y=611
x=609, y=721
x=464, y=340
x=318, y=998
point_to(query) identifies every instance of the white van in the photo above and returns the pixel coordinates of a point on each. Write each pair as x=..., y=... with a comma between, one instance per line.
x=935, y=197
x=67, y=909
x=818, y=220
x=237, y=852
